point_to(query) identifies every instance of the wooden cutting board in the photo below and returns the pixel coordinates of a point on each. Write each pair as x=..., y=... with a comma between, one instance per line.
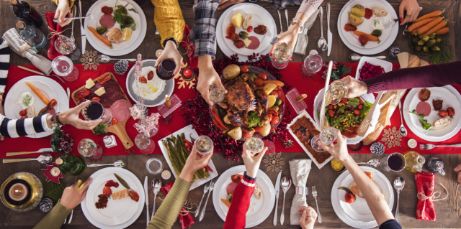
x=114, y=93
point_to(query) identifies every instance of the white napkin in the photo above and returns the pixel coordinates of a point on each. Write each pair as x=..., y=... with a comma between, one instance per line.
x=299, y=172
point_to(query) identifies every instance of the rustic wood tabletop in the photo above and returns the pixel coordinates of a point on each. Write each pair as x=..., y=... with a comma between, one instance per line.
x=323, y=179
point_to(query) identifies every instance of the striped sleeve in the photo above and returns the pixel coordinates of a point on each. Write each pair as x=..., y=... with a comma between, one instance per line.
x=4, y=63
x=13, y=128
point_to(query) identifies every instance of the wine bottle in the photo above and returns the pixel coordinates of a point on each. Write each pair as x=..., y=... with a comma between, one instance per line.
x=26, y=12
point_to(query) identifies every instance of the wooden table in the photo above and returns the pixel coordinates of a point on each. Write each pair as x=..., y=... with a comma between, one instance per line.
x=322, y=179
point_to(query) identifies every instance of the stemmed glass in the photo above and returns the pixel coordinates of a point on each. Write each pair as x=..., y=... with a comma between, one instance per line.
x=64, y=68
x=312, y=64
x=327, y=136
x=64, y=45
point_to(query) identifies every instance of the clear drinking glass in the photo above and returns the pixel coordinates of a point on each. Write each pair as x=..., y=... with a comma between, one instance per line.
x=254, y=145
x=89, y=149
x=394, y=162
x=64, y=45
x=154, y=166
x=204, y=145
x=144, y=143
x=336, y=91
x=312, y=64
x=327, y=136
x=63, y=67
x=96, y=111
x=280, y=56
x=216, y=94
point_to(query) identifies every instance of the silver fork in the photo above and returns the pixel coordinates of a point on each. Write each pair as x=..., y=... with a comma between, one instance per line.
x=202, y=213
x=285, y=184
x=286, y=18
x=280, y=20
x=68, y=219
x=314, y=194
x=432, y=146
x=205, y=190
x=156, y=185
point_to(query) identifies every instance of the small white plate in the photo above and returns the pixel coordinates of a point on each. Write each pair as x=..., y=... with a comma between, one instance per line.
x=305, y=114
x=318, y=101
x=259, y=210
x=386, y=65
x=189, y=133
x=123, y=48
x=358, y=214
x=52, y=89
x=258, y=13
x=351, y=41
x=118, y=213
x=450, y=97
x=164, y=87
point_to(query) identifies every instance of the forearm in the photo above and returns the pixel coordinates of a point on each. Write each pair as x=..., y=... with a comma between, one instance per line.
x=375, y=199
x=168, y=212
x=236, y=217
x=428, y=76
x=54, y=219
x=168, y=19
x=13, y=128
x=205, y=27
x=71, y=2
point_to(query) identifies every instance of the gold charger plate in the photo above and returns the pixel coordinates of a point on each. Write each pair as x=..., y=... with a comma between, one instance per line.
x=36, y=191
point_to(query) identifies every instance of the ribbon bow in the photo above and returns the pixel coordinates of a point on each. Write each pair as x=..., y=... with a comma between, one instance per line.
x=435, y=196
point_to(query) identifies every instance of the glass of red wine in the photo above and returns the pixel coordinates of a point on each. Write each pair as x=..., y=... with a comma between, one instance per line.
x=165, y=69
x=394, y=162
x=96, y=111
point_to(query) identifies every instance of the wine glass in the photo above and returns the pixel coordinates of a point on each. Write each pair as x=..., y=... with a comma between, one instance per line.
x=96, y=111
x=64, y=67
x=89, y=149
x=326, y=137
x=312, y=64
x=336, y=91
x=280, y=56
x=64, y=45
x=144, y=143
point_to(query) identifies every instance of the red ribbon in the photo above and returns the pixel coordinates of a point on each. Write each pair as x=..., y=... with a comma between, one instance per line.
x=54, y=28
x=185, y=218
x=425, y=185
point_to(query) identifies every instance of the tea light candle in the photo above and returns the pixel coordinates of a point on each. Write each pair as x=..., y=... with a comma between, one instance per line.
x=18, y=192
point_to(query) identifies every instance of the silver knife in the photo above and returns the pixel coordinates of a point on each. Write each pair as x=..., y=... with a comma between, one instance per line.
x=325, y=93
x=277, y=194
x=146, y=192
x=329, y=34
x=82, y=30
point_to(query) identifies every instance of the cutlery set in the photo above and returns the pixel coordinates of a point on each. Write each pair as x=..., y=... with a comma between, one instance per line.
x=286, y=19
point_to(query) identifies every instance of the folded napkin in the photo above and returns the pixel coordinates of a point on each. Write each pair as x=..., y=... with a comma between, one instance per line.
x=55, y=30
x=186, y=220
x=20, y=47
x=299, y=172
x=425, y=184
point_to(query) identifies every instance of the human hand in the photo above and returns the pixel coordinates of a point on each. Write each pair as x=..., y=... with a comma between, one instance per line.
x=355, y=88
x=170, y=51
x=61, y=12
x=337, y=149
x=308, y=217
x=71, y=117
x=73, y=195
x=458, y=170
x=289, y=37
x=409, y=11
x=194, y=162
x=252, y=161
x=207, y=77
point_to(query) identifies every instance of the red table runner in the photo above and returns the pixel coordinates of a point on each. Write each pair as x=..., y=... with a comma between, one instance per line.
x=292, y=77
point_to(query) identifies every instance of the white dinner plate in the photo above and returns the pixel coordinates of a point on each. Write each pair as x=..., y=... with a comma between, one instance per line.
x=118, y=213
x=318, y=101
x=386, y=65
x=260, y=16
x=189, y=133
x=450, y=97
x=358, y=214
x=50, y=87
x=389, y=34
x=259, y=210
x=123, y=48
x=142, y=93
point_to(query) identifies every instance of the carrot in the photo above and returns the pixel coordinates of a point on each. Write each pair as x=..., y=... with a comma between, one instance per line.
x=418, y=24
x=100, y=37
x=437, y=27
x=429, y=25
x=41, y=95
x=369, y=36
x=443, y=31
x=434, y=13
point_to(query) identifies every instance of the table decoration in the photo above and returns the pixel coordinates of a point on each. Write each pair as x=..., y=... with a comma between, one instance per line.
x=52, y=173
x=187, y=78
x=21, y=192
x=61, y=141
x=377, y=148
x=273, y=162
x=90, y=60
x=299, y=170
x=426, y=194
x=391, y=137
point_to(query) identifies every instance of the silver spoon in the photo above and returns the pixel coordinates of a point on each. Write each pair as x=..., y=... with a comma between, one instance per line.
x=107, y=59
x=403, y=130
x=285, y=184
x=42, y=159
x=118, y=163
x=399, y=183
x=322, y=43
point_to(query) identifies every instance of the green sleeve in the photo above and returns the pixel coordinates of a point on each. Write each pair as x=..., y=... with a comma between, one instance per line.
x=54, y=219
x=168, y=212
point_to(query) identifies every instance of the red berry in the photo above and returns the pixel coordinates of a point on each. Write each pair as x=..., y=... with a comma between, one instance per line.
x=250, y=29
x=23, y=113
x=262, y=75
x=357, y=112
x=150, y=75
x=244, y=68
x=349, y=198
x=443, y=113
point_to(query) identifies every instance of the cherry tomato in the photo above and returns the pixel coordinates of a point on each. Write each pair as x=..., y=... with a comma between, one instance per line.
x=357, y=112
x=250, y=29
x=244, y=68
x=262, y=75
x=23, y=113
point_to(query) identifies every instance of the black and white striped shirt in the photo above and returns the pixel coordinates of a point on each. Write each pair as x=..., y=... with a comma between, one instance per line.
x=14, y=128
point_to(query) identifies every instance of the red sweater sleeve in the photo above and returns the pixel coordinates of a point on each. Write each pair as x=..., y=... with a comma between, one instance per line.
x=436, y=75
x=236, y=217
